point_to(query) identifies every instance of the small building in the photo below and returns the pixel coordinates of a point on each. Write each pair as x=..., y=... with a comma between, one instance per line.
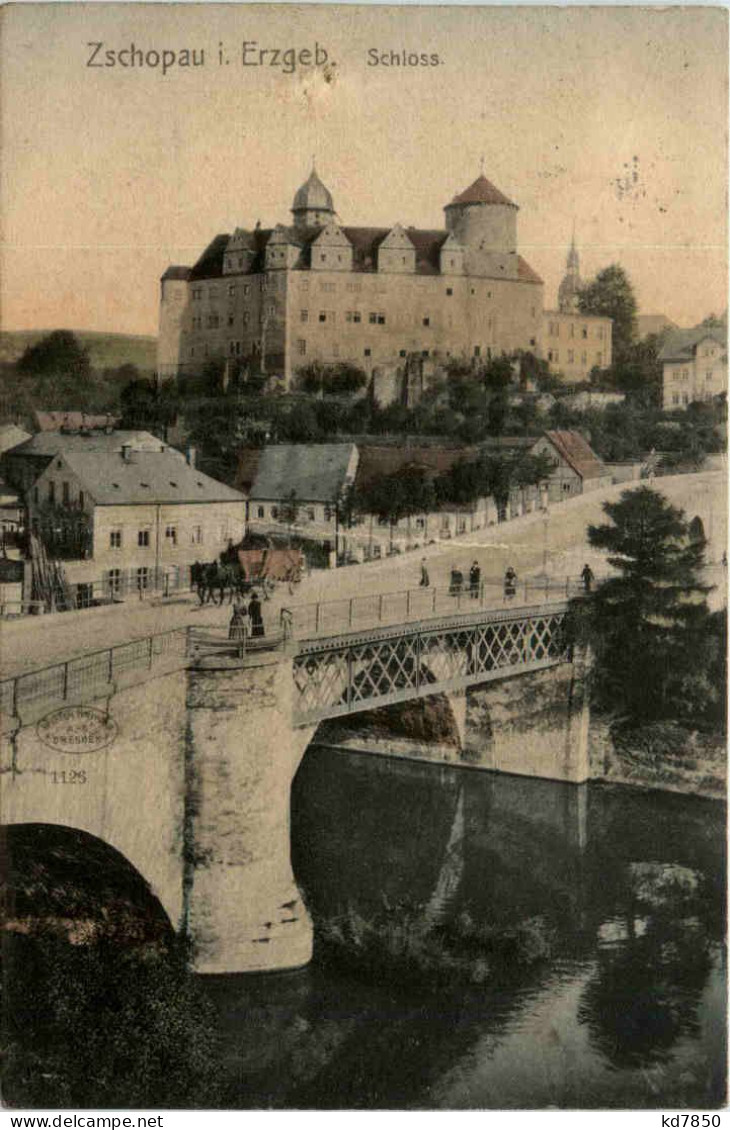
x=130, y=520
x=72, y=421
x=694, y=365
x=577, y=468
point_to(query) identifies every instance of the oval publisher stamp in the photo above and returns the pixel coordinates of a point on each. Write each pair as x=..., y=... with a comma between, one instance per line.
x=77, y=729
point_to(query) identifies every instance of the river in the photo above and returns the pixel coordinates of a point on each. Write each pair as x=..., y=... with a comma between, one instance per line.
x=627, y=1009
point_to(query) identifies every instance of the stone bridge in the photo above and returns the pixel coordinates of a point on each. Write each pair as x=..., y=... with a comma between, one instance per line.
x=180, y=756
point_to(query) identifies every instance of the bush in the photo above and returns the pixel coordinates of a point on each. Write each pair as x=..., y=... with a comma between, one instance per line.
x=104, y=1026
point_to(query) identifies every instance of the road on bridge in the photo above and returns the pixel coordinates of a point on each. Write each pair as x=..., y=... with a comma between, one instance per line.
x=526, y=543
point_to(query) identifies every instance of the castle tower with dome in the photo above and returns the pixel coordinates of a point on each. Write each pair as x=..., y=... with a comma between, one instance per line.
x=385, y=299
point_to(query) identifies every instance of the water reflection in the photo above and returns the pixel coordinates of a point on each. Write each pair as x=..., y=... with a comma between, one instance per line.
x=628, y=885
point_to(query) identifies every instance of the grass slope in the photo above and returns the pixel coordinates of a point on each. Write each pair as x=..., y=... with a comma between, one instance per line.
x=106, y=350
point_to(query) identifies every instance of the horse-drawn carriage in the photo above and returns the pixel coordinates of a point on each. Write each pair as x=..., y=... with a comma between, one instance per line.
x=257, y=563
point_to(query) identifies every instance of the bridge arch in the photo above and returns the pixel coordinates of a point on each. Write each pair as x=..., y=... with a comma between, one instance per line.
x=70, y=880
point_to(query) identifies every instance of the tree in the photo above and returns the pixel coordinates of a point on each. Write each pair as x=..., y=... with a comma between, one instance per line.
x=649, y=624
x=611, y=295
x=58, y=354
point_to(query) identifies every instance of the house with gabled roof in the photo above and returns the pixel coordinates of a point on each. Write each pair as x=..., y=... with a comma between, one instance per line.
x=130, y=520
x=694, y=365
x=576, y=467
x=318, y=290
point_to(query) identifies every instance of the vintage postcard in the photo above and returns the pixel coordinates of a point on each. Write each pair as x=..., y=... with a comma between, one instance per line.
x=363, y=576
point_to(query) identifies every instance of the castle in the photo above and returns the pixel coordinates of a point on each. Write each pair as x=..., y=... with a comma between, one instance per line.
x=388, y=300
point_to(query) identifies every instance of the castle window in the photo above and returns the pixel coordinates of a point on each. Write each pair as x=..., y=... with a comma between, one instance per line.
x=238, y=349
x=246, y=317
x=373, y=319
x=424, y=353
x=532, y=341
x=473, y=290
x=449, y=290
x=427, y=321
x=171, y=535
x=451, y=262
x=304, y=315
x=304, y=284
x=231, y=291
x=381, y=319
x=229, y=262
x=213, y=321
x=329, y=287
x=367, y=352
x=196, y=535
x=584, y=331
x=477, y=350
x=143, y=539
x=231, y=347
x=197, y=293
x=82, y=499
x=489, y=294
x=65, y=493
x=301, y=347
x=192, y=351
x=230, y=319
x=708, y=375
x=323, y=315
x=115, y=539
x=323, y=257
x=353, y=316
x=271, y=311
x=675, y=398
x=246, y=289
x=402, y=353
x=274, y=512
x=259, y=511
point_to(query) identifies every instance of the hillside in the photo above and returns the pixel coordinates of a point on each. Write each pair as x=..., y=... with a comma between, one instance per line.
x=106, y=350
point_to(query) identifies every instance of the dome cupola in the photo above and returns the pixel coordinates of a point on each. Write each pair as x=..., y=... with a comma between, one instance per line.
x=313, y=205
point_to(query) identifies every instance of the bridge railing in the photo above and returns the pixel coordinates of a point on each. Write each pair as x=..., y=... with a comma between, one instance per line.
x=213, y=641
x=64, y=682
x=408, y=605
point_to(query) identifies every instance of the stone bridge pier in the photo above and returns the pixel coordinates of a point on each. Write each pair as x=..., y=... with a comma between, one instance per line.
x=243, y=909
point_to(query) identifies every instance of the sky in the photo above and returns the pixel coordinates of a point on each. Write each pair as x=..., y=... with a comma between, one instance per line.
x=612, y=119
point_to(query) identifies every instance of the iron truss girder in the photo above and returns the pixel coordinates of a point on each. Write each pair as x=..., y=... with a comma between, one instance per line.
x=347, y=674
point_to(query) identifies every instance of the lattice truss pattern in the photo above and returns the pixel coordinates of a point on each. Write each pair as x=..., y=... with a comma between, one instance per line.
x=342, y=678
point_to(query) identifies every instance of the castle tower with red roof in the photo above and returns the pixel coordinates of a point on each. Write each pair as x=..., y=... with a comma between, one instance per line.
x=484, y=221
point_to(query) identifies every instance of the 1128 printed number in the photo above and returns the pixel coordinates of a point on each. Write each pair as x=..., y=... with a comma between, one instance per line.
x=68, y=777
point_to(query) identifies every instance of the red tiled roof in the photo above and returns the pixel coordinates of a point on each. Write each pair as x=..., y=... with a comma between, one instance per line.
x=481, y=191
x=525, y=272
x=578, y=454
x=376, y=461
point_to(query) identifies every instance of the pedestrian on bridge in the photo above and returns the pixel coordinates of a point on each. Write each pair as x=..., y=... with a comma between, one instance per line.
x=510, y=583
x=425, y=579
x=238, y=627
x=587, y=577
x=475, y=577
x=254, y=615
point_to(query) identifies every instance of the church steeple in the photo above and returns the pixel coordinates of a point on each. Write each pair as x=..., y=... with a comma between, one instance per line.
x=572, y=283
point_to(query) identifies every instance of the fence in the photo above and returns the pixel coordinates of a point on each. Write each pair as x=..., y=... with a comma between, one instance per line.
x=63, y=682
x=408, y=605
